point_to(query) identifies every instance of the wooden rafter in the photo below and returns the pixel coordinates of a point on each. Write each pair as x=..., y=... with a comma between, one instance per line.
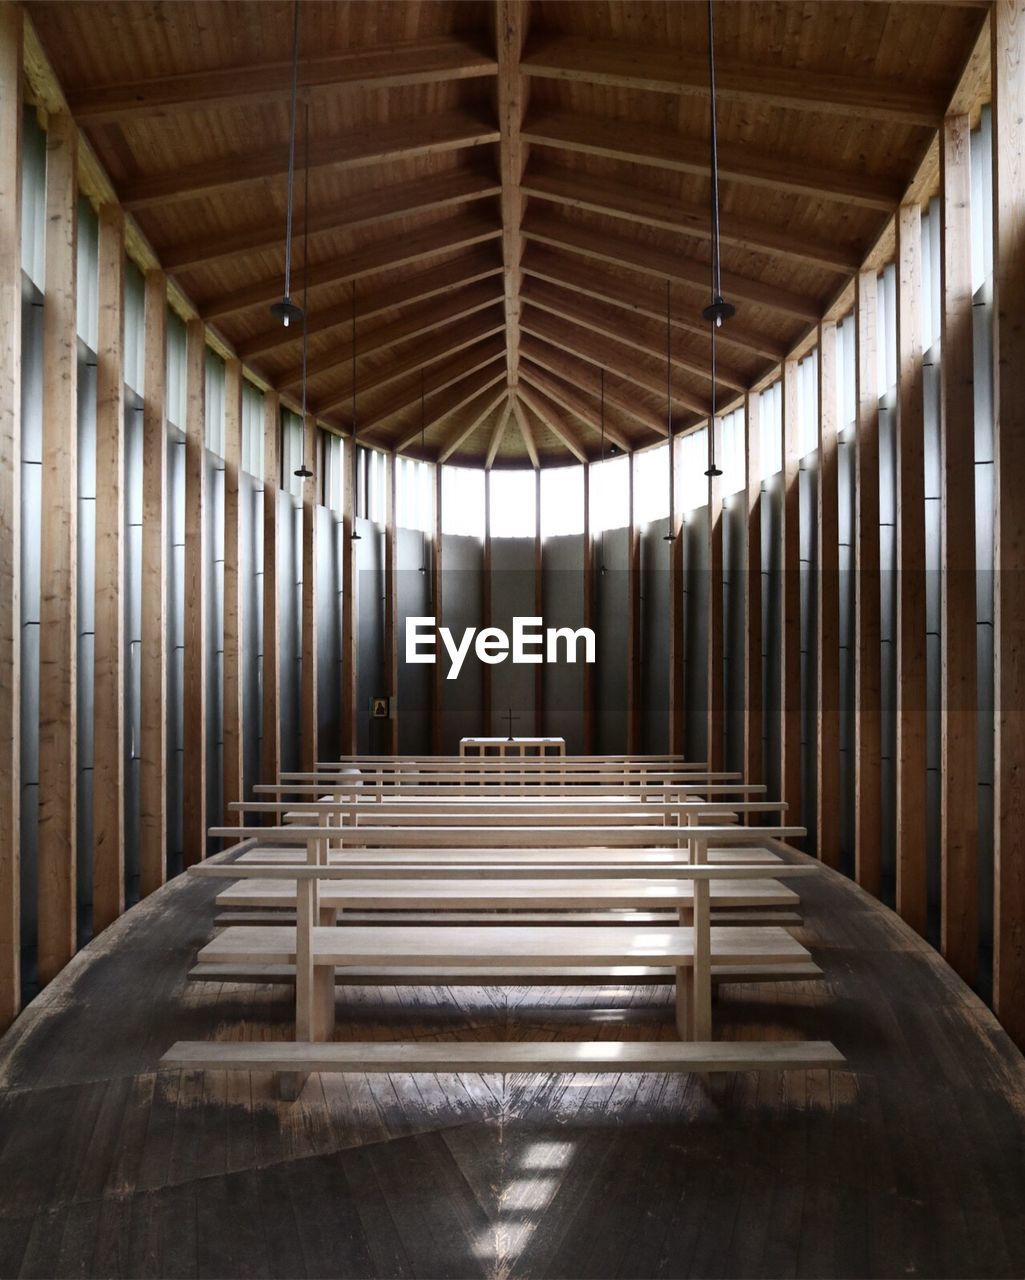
x=664, y=70
x=470, y=419
x=425, y=135
x=498, y=432
x=448, y=399
x=526, y=432
x=551, y=417
x=510, y=32
x=581, y=404
x=641, y=144
x=585, y=374
x=471, y=372
x=383, y=67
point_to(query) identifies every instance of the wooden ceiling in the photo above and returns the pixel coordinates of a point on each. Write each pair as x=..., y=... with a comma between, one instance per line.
x=509, y=192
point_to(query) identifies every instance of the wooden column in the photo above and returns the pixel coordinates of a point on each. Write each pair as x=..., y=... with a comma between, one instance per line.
x=539, y=687
x=911, y=624
x=153, y=647
x=633, y=650
x=194, y=822
x=487, y=605
x=867, y=664
x=959, y=927
x=11, y=29
x=1007, y=20
x=677, y=692
x=58, y=606
x=234, y=727
x=391, y=603
x=310, y=714
x=715, y=605
x=588, y=682
x=270, y=747
x=790, y=657
x=350, y=600
x=827, y=824
x=109, y=640
x=754, y=756
x=437, y=671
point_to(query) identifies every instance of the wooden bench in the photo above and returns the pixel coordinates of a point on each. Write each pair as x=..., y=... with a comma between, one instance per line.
x=647, y=861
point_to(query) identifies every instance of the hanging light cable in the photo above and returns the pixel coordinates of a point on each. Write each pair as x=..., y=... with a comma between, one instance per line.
x=669, y=418
x=285, y=310
x=356, y=535
x=423, y=450
x=601, y=535
x=718, y=310
x=303, y=471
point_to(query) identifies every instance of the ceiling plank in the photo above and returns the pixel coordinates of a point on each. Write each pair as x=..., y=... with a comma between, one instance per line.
x=471, y=419
x=624, y=251
x=497, y=434
x=441, y=237
x=510, y=32
x=660, y=69
x=424, y=135
x=548, y=413
x=644, y=336
x=451, y=395
x=664, y=212
x=364, y=209
x=372, y=301
x=527, y=433
x=584, y=373
x=451, y=341
x=582, y=406
x=486, y=361
x=644, y=298
x=642, y=144
x=381, y=67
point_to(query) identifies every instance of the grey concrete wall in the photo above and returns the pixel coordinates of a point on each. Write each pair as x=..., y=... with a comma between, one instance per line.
x=462, y=599
x=562, y=573
x=413, y=562
x=370, y=681
x=611, y=611
x=512, y=595
x=655, y=627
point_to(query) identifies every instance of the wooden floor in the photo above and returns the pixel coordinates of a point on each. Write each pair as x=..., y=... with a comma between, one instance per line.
x=910, y=1163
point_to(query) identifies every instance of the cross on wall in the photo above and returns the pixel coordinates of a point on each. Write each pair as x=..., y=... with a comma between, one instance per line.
x=510, y=718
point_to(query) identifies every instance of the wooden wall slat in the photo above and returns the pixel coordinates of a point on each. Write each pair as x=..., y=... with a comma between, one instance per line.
x=911, y=805
x=58, y=609
x=867, y=654
x=486, y=606
x=588, y=680
x=677, y=690
x=153, y=638
x=754, y=756
x=539, y=687
x=310, y=713
x=11, y=43
x=437, y=671
x=391, y=602
x=194, y=821
x=1007, y=20
x=959, y=917
x=633, y=648
x=716, y=694
x=233, y=731
x=109, y=630
x=790, y=658
x=827, y=630
x=350, y=600
x=270, y=745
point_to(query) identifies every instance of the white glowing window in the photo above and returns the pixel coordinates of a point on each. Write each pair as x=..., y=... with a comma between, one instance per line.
x=651, y=484
x=562, y=501
x=371, y=468
x=334, y=472
x=462, y=501
x=981, y=151
x=808, y=404
x=414, y=494
x=610, y=494
x=931, y=274
x=846, y=380
x=252, y=430
x=692, y=490
x=771, y=415
x=291, y=452
x=886, y=330
x=731, y=452
x=513, y=504
x=214, y=422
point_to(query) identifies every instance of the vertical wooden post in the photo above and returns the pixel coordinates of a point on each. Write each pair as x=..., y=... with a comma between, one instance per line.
x=487, y=606
x=715, y=605
x=233, y=727
x=677, y=691
x=11, y=32
x=270, y=747
x=633, y=643
x=754, y=766
x=109, y=642
x=539, y=688
x=790, y=659
x=350, y=600
x=911, y=625
x=588, y=681
x=58, y=607
x=391, y=602
x=437, y=676
x=1007, y=20
x=827, y=824
x=310, y=713
x=196, y=534
x=959, y=927
x=153, y=648
x=867, y=657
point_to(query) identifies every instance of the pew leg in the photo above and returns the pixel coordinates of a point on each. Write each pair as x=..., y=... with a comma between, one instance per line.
x=683, y=1004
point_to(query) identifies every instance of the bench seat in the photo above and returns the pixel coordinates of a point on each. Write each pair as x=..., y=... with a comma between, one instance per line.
x=276, y=915
x=576, y=858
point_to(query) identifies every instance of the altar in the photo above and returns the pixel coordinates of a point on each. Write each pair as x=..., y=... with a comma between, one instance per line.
x=501, y=747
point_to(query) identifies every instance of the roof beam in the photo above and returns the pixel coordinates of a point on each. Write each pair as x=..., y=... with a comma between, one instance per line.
x=510, y=31
x=424, y=135
x=381, y=67
x=450, y=342
x=452, y=394
x=640, y=297
x=582, y=406
x=641, y=144
x=477, y=412
x=364, y=209
x=664, y=212
x=526, y=432
x=497, y=434
x=626, y=252
x=584, y=373
x=482, y=360
x=642, y=335
x=394, y=251
x=548, y=413
x=372, y=301
x=660, y=69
